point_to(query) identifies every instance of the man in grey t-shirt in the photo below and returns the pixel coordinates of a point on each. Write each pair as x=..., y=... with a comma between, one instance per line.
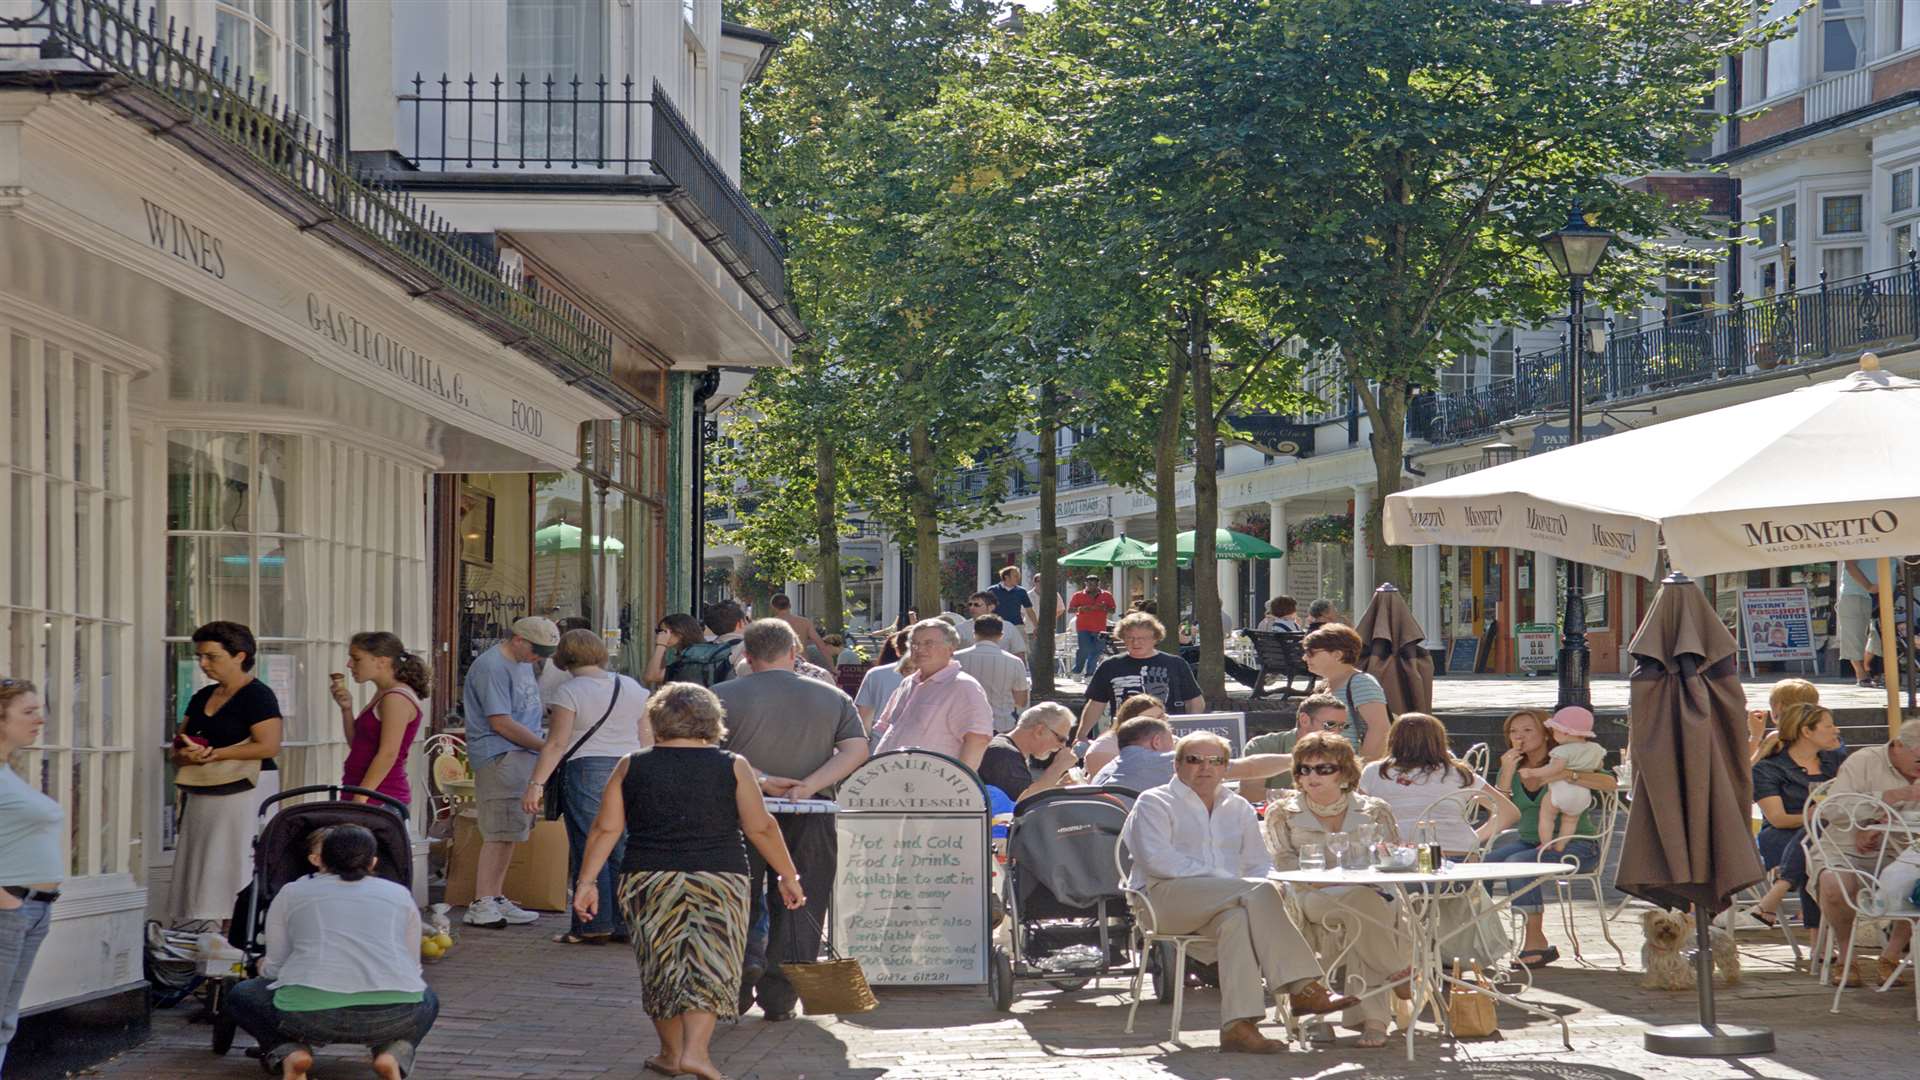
x=801, y=737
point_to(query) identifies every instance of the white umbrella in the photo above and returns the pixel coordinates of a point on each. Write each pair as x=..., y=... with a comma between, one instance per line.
x=1825, y=472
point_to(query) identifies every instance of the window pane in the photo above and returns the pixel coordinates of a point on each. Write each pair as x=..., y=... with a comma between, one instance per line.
x=560, y=568
x=1768, y=229
x=109, y=404
x=29, y=580
x=80, y=707
x=1840, y=214
x=208, y=481
x=1902, y=242
x=279, y=469
x=83, y=424
x=231, y=45
x=17, y=397
x=109, y=672
x=1789, y=223
x=1903, y=190
x=207, y=579
x=1843, y=263
x=1844, y=33
x=282, y=595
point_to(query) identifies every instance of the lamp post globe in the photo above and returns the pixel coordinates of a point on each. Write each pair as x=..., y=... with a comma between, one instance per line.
x=1576, y=250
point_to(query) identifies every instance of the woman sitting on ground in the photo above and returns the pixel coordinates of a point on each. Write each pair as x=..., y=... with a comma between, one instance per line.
x=1321, y=803
x=342, y=966
x=1803, y=752
x=1419, y=771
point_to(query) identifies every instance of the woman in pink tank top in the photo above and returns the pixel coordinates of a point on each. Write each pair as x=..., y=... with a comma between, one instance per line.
x=379, y=737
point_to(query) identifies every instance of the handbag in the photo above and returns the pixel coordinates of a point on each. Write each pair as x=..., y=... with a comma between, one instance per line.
x=1471, y=929
x=554, y=793
x=1470, y=1011
x=217, y=774
x=835, y=985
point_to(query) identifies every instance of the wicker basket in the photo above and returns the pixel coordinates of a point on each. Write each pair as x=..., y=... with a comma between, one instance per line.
x=834, y=985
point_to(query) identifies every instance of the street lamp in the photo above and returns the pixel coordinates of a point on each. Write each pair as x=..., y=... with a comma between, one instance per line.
x=1576, y=250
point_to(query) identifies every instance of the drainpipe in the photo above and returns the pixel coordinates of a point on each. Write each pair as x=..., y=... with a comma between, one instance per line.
x=703, y=390
x=342, y=94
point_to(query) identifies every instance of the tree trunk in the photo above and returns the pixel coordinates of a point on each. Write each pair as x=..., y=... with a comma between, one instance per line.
x=1166, y=519
x=826, y=522
x=1387, y=409
x=926, y=524
x=1040, y=648
x=1208, y=632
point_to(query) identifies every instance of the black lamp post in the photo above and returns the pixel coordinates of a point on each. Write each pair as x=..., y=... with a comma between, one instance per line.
x=1576, y=251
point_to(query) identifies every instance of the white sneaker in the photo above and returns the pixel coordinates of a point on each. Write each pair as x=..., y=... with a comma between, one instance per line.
x=484, y=911
x=514, y=913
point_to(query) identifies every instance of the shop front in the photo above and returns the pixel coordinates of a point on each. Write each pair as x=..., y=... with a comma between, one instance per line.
x=211, y=415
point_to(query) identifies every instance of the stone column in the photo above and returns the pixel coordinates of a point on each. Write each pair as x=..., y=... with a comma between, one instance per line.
x=1426, y=592
x=1119, y=583
x=1028, y=542
x=983, y=563
x=889, y=583
x=1362, y=562
x=1227, y=580
x=1546, y=598
x=1277, y=536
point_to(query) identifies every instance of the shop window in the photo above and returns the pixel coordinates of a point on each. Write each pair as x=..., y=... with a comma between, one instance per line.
x=66, y=607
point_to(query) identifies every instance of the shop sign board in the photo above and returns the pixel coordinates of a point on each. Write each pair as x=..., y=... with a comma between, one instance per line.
x=1231, y=726
x=1091, y=506
x=910, y=894
x=1776, y=624
x=1465, y=651
x=1535, y=646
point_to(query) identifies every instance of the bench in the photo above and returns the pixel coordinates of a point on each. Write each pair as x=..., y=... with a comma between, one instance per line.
x=1279, y=656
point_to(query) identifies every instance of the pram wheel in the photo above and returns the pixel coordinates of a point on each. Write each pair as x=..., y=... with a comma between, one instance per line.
x=1069, y=985
x=223, y=1029
x=219, y=1019
x=1000, y=979
x=1160, y=963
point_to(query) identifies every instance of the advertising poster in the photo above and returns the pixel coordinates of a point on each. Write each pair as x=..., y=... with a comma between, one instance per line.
x=1776, y=625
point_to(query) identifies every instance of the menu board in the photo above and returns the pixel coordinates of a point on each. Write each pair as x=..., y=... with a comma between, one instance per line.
x=910, y=896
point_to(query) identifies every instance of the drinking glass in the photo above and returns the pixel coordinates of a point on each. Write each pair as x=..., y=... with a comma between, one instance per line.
x=1312, y=857
x=1338, y=846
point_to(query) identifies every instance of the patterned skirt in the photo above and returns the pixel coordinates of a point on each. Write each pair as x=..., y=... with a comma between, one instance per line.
x=690, y=935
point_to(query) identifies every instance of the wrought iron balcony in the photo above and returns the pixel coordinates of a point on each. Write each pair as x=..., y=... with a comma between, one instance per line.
x=580, y=129
x=167, y=78
x=1748, y=337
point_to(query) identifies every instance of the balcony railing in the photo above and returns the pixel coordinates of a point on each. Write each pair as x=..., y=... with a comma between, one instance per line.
x=583, y=129
x=182, y=83
x=1747, y=337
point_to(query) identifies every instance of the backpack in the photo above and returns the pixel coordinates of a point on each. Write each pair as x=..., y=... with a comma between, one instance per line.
x=708, y=663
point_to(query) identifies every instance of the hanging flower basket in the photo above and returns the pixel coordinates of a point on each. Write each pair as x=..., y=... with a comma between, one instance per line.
x=1324, y=529
x=1255, y=524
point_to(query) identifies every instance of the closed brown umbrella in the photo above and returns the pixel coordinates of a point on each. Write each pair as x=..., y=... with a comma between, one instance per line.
x=1689, y=842
x=1393, y=650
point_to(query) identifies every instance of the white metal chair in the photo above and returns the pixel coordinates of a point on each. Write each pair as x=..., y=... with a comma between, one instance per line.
x=1468, y=805
x=1146, y=936
x=1606, y=814
x=1832, y=829
x=1479, y=758
x=445, y=800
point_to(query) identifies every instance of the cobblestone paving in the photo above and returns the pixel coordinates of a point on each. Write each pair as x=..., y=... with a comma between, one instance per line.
x=518, y=1006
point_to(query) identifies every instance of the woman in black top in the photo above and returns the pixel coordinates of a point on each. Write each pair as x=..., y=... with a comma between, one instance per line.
x=229, y=725
x=684, y=804
x=1804, y=751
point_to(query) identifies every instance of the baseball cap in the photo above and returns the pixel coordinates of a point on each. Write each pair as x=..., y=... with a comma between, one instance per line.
x=540, y=633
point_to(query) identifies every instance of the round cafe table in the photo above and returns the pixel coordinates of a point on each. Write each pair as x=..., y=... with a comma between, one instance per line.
x=1414, y=893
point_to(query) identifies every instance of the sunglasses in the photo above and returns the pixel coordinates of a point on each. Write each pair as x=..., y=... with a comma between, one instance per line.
x=1322, y=769
x=1212, y=759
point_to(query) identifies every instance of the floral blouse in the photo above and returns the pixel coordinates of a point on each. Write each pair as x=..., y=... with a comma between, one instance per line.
x=1289, y=824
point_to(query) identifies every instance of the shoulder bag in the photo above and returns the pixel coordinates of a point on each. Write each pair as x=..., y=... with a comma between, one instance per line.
x=554, y=793
x=1353, y=712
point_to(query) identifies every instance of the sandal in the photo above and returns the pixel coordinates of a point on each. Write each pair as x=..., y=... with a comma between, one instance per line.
x=655, y=1065
x=571, y=938
x=1538, y=958
x=1772, y=920
x=1373, y=1035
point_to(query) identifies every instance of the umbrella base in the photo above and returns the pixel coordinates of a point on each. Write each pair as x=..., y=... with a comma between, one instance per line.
x=1720, y=1040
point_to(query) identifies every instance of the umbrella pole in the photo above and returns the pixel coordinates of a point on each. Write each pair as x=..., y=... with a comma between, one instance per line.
x=1708, y=1038
x=1888, y=646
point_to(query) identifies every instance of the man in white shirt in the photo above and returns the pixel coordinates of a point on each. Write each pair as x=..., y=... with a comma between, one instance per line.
x=998, y=672
x=1199, y=856
x=1890, y=773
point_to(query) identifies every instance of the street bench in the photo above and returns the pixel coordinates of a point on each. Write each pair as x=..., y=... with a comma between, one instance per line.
x=1279, y=655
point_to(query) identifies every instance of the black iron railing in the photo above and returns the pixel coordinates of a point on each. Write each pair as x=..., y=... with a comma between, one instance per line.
x=192, y=84
x=1745, y=337
x=581, y=128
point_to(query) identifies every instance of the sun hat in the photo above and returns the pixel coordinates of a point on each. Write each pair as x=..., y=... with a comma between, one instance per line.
x=1573, y=720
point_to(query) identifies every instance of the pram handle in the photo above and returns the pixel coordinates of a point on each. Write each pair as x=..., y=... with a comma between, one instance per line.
x=337, y=791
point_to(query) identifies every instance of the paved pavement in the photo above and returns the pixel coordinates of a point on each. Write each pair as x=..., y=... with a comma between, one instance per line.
x=517, y=1006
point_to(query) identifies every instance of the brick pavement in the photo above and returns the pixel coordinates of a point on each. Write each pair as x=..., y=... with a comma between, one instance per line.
x=516, y=1006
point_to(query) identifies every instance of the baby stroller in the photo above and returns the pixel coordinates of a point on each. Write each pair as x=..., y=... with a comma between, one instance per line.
x=1069, y=922
x=280, y=857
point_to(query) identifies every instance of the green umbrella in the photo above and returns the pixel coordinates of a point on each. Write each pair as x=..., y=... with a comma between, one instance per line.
x=561, y=536
x=1119, y=551
x=1228, y=544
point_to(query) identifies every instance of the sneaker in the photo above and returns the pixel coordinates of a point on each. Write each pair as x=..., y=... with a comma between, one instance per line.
x=514, y=913
x=484, y=911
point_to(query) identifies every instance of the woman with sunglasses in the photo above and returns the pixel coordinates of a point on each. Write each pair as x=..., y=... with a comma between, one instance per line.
x=1322, y=802
x=31, y=867
x=1332, y=654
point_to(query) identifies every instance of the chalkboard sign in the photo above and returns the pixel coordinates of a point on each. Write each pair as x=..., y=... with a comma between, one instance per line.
x=910, y=896
x=1460, y=659
x=1229, y=725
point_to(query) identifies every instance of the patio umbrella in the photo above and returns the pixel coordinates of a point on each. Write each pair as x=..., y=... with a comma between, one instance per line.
x=560, y=536
x=1228, y=544
x=1114, y=552
x=1394, y=652
x=1747, y=486
x=1689, y=842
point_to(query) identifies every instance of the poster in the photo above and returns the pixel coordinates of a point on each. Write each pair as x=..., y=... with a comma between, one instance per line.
x=1303, y=574
x=1535, y=646
x=1776, y=625
x=1231, y=726
x=910, y=895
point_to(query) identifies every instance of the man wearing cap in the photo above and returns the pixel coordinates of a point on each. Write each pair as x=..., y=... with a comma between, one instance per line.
x=1091, y=607
x=506, y=727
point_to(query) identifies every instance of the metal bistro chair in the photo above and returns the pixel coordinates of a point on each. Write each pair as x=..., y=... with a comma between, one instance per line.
x=1479, y=758
x=1606, y=812
x=1468, y=805
x=446, y=799
x=1839, y=817
x=1147, y=937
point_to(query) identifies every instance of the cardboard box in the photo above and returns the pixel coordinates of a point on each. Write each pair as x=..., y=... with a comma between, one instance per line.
x=536, y=878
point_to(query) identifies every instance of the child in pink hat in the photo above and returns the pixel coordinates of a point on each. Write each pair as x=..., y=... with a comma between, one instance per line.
x=1574, y=751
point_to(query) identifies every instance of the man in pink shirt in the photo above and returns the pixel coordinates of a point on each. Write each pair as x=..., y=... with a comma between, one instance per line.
x=939, y=707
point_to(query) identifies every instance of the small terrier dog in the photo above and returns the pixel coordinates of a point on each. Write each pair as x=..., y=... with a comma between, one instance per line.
x=1666, y=961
